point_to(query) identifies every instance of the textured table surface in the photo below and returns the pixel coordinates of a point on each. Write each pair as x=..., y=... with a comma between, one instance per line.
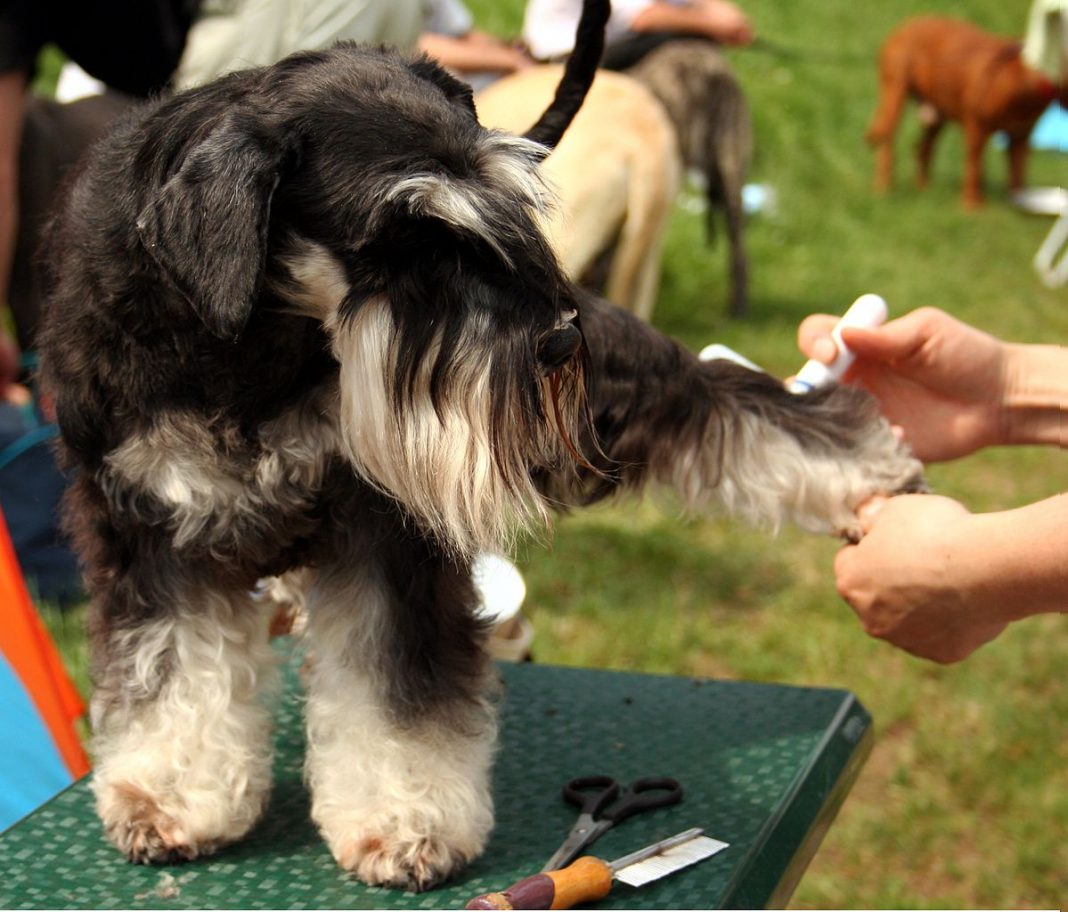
x=764, y=768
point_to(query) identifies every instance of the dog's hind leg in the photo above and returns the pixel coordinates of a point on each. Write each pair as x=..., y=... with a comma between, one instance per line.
x=181, y=745
x=400, y=733
x=717, y=431
x=925, y=148
x=729, y=155
x=1018, y=151
x=893, y=93
x=634, y=275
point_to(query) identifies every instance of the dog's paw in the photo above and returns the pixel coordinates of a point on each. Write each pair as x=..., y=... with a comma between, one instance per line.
x=411, y=845
x=412, y=862
x=153, y=830
x=144, y=832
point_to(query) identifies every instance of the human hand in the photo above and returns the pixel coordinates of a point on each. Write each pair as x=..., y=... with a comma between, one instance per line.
x=938, y=380
x=915, y=579
x=726, y=22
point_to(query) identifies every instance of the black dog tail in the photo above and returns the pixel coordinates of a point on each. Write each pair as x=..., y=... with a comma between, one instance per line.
x=578, y=75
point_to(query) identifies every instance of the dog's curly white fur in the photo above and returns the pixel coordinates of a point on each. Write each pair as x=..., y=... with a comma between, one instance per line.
x=182, y=726
x=400, y=806
x=277, y=342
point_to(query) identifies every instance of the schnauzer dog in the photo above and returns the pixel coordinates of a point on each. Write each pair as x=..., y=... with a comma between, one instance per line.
x=304, y=317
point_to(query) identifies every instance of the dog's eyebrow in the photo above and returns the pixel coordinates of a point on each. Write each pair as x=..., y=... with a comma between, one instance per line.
x=506, y=169
x=512, y=162
x=452, y=201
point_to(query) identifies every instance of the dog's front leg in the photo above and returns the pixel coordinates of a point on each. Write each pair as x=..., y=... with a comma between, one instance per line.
x=181, y=735
x=716, y=430
x=400, y=732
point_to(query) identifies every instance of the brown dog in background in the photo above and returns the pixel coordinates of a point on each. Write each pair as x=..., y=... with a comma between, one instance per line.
x=958, y=72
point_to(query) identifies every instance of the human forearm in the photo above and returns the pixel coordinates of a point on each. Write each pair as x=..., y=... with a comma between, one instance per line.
x=719, y=20
x=1019, y=560
x=476, y=55
x=667, y=17
x=1035, y=397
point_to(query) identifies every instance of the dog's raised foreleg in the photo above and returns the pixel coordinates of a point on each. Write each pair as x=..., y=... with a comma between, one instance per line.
x=716, y=431
x=181, y=746
x=400, y=733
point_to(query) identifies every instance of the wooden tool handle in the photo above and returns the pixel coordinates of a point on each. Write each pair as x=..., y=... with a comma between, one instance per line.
x=583, y=880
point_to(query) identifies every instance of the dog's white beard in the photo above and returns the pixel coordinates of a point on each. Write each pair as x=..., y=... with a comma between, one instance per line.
x=439, y=464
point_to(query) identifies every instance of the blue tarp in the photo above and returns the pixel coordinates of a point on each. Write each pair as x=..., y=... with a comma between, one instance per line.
x=31, y=769
x=1051, y=131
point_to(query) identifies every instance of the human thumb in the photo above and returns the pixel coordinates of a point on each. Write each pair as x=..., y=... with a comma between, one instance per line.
x=869, y=510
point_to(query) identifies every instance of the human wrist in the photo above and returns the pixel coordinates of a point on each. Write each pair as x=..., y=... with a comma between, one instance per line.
x=1034, y=400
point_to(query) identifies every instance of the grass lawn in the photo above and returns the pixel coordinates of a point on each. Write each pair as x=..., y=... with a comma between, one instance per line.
x=964, y=802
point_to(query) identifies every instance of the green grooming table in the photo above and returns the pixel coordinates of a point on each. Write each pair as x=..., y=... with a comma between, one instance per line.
x=764, y=768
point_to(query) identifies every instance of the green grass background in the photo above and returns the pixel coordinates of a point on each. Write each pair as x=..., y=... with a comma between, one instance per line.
x=964, y=801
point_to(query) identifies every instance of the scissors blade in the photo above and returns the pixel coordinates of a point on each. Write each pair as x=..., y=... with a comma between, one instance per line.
x=585, y=831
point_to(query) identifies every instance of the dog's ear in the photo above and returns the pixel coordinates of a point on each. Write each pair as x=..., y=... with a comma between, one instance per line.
x=207, y=226
x=454, y=89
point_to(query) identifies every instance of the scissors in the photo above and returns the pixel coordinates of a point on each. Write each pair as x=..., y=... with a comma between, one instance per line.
x=603, y=804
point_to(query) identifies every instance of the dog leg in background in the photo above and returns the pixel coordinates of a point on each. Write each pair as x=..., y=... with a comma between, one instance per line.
x=400, y=733
x=975, y=138
x=710, y=114
x=634, y=274
x=733, y=149
x=716, y=430
x=893, y=94
x=932, y=127
x=181, y=747
x=1018, y=151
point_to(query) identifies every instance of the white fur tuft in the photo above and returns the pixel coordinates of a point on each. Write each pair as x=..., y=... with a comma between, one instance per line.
x=181, y=746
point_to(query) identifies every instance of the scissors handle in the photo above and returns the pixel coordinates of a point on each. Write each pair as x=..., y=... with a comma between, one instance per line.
x=592, y=794
x=609, y=802
x=644, y=794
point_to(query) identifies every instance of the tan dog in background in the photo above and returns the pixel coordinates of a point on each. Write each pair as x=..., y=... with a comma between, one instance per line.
x=616, y=171
x=961, y=73
x=693, y=80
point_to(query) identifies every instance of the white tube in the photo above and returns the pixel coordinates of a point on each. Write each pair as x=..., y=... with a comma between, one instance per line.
x=868, y=311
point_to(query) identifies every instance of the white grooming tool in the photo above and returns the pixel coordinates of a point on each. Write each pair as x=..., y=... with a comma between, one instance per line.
x=717, y=352
x=868, y=311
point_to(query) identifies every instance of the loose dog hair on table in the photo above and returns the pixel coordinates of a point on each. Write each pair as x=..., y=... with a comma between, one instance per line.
x=303, y=317
x=958, y=72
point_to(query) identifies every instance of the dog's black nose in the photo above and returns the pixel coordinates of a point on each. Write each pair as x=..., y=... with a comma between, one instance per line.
x=558, y=347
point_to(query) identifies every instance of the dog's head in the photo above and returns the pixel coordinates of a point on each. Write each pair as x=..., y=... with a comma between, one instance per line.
x=358, y=187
